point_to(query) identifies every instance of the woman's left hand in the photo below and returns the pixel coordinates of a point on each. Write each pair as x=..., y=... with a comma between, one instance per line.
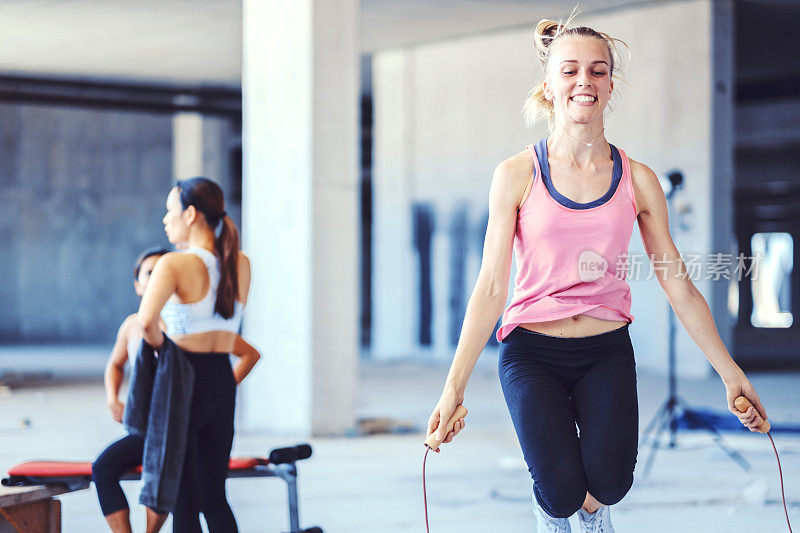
x=755, y=415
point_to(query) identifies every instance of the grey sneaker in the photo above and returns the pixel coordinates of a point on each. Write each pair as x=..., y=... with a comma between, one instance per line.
x=546, y=523
x=597, y=522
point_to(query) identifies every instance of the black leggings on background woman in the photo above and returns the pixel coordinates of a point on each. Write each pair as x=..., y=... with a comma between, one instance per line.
x=202, y=487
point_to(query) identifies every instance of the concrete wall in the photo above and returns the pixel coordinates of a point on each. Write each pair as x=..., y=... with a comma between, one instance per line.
x=83, y=193
x=447, y=112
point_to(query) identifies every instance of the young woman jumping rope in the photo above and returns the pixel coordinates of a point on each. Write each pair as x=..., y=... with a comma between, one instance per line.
x=566, y=358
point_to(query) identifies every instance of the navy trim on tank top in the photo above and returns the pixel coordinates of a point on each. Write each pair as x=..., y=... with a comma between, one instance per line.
x=544, y=166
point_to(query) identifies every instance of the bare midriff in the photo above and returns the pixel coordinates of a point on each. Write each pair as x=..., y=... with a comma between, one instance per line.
x=574, y=326
x=208, y=341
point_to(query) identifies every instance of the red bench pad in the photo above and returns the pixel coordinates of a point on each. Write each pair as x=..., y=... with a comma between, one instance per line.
x=54, y=469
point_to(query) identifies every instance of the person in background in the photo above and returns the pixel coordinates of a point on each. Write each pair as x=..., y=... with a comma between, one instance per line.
x=199, y=293
x=125, y=453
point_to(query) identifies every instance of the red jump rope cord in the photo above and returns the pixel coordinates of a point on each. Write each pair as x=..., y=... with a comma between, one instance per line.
x=425, y=492
x=780, y=473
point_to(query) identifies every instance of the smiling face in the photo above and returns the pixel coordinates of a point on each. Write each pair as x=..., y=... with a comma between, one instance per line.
x=177, y=220
x=578, y=79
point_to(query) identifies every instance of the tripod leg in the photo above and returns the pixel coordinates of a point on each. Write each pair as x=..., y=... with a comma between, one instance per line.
x=653, y=423
x=673, y=429
x=664, y=422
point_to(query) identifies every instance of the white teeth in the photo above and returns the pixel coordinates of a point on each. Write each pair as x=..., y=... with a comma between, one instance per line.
x=584, y=99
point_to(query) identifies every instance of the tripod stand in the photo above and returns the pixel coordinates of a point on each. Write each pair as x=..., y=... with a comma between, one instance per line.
x=674, y=407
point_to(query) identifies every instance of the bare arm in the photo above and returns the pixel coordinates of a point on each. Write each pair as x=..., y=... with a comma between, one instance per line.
x=163, y=284
x=688, y=302
x=244, y=277
x=115, y=368
x=248, y=357
x=489, y=294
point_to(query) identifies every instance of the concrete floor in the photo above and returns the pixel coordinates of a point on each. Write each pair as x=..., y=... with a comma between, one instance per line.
x=477, y=484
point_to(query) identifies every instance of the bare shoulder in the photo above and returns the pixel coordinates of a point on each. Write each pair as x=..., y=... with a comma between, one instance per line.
x=646, y=186
x=518, y=167
x=129, y=326
x=512, y=176
x=640, y=170
x=172, y=260
x=178, y=263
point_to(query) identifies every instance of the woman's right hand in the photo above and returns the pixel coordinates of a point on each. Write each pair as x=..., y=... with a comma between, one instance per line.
x=117, y=408
x=741, y=386
x=444, y=410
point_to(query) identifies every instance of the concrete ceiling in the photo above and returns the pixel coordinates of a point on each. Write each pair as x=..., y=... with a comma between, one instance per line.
x=179, y=41
x=198, y=42
x=387, y=23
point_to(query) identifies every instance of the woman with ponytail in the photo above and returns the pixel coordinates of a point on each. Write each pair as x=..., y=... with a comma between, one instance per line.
x=199, y=293
x=565, y=207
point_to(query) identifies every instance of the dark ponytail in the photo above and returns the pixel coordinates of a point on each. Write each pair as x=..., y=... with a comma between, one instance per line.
x=227, y=245
x=207, y=198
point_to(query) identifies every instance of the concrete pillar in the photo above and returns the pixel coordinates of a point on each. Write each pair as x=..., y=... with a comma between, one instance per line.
x=723, y=139
x=187, y=145
x=394, y=277
x=300, y=213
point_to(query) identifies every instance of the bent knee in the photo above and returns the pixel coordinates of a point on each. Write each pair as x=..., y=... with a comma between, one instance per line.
x=611, y=491
x=99, y=470
x=561, y=501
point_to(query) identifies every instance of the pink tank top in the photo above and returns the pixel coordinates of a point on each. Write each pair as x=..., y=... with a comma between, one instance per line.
x=571, y=261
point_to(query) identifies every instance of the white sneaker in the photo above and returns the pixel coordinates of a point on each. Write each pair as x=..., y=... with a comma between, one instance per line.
x=597, y=522
x=546, y=523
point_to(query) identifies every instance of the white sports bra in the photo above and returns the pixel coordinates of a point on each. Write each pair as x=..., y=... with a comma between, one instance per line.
x=200, y=317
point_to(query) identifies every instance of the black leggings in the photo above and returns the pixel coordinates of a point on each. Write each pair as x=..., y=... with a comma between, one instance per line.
x=551, y=383
x=202, y=487
x=118, y=458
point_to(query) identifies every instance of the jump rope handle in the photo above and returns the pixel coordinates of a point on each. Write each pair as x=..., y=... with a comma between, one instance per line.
x=431, y=442
x=743, y=404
